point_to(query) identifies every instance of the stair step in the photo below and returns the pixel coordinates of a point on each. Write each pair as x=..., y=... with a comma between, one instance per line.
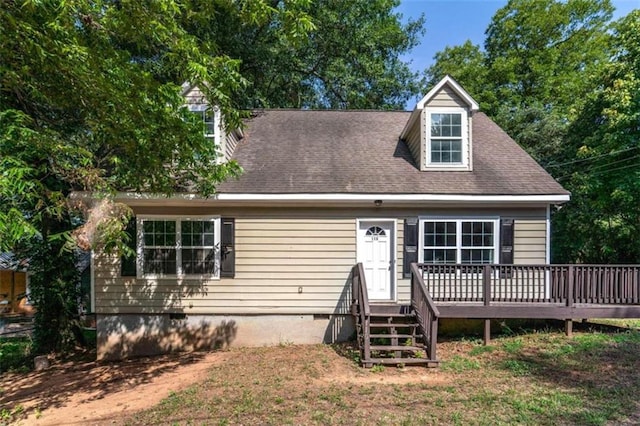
x=392, y=324
x=392, y=315
x=395, y=348
x=395, y=361
x=392, y=336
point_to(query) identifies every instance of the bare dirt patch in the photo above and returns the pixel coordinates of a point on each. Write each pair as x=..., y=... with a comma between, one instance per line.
x=87, y=392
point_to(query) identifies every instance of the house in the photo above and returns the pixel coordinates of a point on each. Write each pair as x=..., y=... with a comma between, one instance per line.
x=269, y=259
x=13, y=285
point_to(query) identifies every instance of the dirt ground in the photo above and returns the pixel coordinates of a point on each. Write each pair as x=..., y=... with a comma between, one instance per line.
x=88, y=393
x=530, y=379
x=92, y=393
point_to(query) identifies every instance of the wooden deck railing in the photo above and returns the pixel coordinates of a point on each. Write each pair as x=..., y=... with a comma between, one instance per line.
x=360, y=307
x=426, y=311
x=555, y=284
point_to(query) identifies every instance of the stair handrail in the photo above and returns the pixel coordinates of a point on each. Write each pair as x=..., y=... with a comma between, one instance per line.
x=425, y=309
x=361, y=300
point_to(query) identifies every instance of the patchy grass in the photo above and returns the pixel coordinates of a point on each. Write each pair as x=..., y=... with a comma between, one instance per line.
x=539, y=378
x=14, y=354
x=632, y=323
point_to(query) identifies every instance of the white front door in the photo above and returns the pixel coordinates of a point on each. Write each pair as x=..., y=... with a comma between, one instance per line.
x=376, y=252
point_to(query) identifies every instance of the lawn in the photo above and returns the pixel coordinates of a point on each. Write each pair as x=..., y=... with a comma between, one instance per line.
x=14, y=353
x=535, y=378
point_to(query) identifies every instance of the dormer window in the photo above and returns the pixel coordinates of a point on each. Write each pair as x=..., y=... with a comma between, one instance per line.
x=208, y=117
x=438, y=132
x=447, y=138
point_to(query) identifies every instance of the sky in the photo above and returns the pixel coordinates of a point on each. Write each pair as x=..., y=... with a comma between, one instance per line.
x=452, y=22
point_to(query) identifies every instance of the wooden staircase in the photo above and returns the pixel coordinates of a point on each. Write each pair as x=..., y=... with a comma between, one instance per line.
x=389, y=333
x=394, y=337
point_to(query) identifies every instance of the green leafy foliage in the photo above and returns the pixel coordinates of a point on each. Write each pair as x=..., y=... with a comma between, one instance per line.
x=465, y=63
x=348, y=58
x=604, y=218
x=563, y=82
x=91, y=100
x=14, y=353
x=538, y=51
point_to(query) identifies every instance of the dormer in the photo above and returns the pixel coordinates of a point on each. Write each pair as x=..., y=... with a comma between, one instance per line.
x=212, y=123
x=438, y=132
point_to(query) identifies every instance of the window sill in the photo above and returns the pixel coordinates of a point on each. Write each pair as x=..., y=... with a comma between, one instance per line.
x=180, y=277
x=446, y=168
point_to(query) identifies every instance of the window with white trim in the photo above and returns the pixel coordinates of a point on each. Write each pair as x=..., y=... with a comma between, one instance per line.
x=451, y=241
x=178, y=247
x=208, y=117
x=447, y=138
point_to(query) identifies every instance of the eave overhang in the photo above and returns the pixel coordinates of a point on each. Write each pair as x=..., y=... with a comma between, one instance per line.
x=331, y=199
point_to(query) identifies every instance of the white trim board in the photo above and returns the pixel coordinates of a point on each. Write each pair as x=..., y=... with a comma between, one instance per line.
x=145, y=198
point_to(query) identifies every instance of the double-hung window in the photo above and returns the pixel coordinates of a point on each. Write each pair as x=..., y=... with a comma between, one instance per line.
x=451, y=241
x=447, y=138
x=208, y=117
x=179, y=247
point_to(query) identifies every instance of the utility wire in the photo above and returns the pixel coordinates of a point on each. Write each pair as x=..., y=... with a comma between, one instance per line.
x=601, y=172
x=593, y=158
x=624, y=160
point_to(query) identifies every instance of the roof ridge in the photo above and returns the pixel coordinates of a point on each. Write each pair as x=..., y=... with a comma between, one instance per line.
x=329, y=110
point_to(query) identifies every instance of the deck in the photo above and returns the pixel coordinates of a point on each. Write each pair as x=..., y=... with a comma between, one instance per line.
x=564, y=292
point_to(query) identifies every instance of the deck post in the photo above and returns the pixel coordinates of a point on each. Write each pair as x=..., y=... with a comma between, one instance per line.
x=568, y=327
x=568, y=322
x=487, y=332
x=433, y=340
x=486, y=284
x=570, y=286
x=486, y=287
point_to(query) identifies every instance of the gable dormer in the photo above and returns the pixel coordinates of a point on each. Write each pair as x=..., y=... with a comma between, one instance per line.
x=438, y=132
x=212, y=123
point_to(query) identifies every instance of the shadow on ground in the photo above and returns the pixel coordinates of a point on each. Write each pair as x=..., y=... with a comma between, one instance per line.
x=54, y=386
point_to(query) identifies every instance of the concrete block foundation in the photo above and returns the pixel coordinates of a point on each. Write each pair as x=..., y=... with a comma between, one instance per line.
x=130, y=335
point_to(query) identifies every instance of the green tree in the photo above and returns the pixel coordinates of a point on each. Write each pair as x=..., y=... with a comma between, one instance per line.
x=565, y=87
x=466, y=64
x=602, y=223
x=90, y=99
x=349, y=59
x=538, y=52
x=533, y=67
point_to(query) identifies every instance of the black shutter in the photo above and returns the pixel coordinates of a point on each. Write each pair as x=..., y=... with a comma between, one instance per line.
x=506, y=241
x=128, y=263
x=228, y=250
x=410, y=252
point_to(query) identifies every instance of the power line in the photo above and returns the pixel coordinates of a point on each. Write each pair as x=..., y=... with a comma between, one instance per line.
x=593, y=158
x=630, y=166
x=612, y=163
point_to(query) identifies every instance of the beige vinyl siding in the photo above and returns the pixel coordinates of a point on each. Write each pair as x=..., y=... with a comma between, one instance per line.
x=415, y=141
x=228, y=143
x=529, y=241
x=231, y=141
x=283, y=265
x=194, y=96
x=288, y=261
x=446, y=97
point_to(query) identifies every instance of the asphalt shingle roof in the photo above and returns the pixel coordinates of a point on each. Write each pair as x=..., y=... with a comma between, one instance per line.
x=296, y=151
